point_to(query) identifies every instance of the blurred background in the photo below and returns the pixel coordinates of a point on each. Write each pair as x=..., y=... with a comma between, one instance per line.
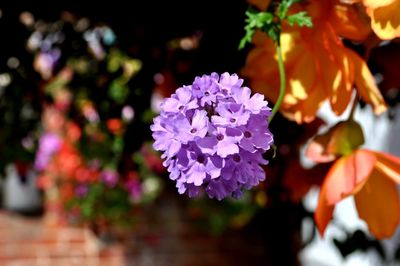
x=80, y=182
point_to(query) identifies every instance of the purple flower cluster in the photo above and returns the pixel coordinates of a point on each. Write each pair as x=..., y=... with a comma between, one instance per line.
x=212, y=135
x=109, y=177
x=49, y=143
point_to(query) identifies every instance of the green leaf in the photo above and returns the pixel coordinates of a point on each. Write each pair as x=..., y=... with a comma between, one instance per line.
x=258, y=19
x=118, y=91
x=270, y=23
x=115, y=61
x=255, y=20
x=57, y=83
x=247, y=38
x=147, y=116
x=273, y=31
x=301, y=19
x=87, y=210
x=118, y=145
x=131, y=67
x=283, y=8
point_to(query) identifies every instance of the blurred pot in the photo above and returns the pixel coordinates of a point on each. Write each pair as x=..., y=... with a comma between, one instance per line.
x=20, y=193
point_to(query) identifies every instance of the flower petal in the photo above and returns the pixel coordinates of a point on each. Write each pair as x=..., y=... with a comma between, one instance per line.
x=170, y=105
x=226, y=148
x=199, y=120
x=184, y=94
x=173, y=148
x=207, y=144
x=378, y=204
x=365, y=83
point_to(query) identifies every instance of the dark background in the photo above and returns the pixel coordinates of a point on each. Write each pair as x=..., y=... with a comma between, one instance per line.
x=149, y=24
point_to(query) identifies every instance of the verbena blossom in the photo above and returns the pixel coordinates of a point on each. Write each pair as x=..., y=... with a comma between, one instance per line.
x=49, y=143
x=109, y=177
x=81, y=190
x=134, y=188
x=212, y=134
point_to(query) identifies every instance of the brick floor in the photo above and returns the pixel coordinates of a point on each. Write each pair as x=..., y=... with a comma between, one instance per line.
x=165, y=238
x=32, y=241
x=169, y=238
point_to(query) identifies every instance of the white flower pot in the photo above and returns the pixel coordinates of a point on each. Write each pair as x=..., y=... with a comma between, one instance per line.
x=18, y=196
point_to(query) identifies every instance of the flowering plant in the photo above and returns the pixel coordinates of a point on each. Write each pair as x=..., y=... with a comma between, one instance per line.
x=213, y=134
x=85, y=154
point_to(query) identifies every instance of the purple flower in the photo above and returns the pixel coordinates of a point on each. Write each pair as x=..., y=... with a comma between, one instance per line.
x=134, y=189
x=163, y=133
x=212, y=134
x=221, y=140
x=188, y=130
x=46, y=61
x=229, y=82
x=231, y=114
x=200, y=166
x=49, y=143
x=254, y=104
x=109, y=177
x=205, y=88
x=181, y=101
x=81, y=190
x=256, y=134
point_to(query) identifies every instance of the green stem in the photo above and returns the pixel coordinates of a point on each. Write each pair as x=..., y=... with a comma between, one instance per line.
x=282, y=77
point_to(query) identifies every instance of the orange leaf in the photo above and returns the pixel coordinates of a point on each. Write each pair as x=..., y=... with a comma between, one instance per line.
x=347, y=175
x=377, y=3
x=385, y=20
x=323, y=213
x=316, y=150
x=378, y=204
x=365, y=83
x=390, y=165
x=341, y=94
x=350, y=21
x=341, y=139
x=346, y=136
x=260, y=4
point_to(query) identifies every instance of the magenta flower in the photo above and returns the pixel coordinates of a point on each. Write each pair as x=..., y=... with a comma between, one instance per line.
x=134, y=189
x=212, y=134
x=81, y=190
x=49, y=143
x=109, y=177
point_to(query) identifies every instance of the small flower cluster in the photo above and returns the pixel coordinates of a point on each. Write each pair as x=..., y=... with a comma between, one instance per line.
x=213, y=134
